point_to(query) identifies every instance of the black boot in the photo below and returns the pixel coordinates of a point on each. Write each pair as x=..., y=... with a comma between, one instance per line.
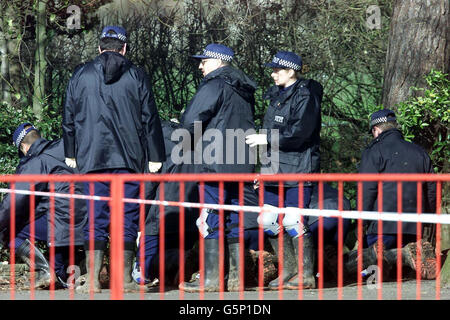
x=289, y=261
x=309, y=255
x=234, y=267
x=98, y=262
x=369, y=258
x=128, y=283
x=409, y=258
x=43, y=275
x=211, y=278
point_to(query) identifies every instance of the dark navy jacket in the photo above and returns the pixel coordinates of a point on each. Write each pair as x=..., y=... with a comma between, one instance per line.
x=223, y=102
x=296, y=114
x=110, y=120
x=45, y=157
x=172, y=192
x=390, y=153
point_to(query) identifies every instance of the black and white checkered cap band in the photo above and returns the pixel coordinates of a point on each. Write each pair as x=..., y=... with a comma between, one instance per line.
x=381, y=120
x=22, y=135
x=285, y=63
x=117, y=35
x=216, y=55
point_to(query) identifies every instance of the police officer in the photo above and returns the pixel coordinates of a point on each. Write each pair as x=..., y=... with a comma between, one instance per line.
x=111, y=125
x=294, y=115
x=388, y=152
x=223, y=107
x=40, y=156
x=171, y=216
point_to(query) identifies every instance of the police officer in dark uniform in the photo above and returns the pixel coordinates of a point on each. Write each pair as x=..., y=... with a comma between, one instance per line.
x=171, y=216
x=223, y=107
x=390, y=153
x=40, y=156
x=111, y=125
x=292, y=129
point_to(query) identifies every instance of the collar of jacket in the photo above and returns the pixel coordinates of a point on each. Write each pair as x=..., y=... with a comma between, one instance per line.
x=274, y=91
x=232, y=76
x=37, y=147
x=395, y=133
x=218, y=73
x=235, y=78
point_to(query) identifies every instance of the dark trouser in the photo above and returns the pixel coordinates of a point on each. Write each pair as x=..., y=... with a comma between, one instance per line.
x=330, y=231
x=251, y=239
x=231, y=218
x=390, y=240
x=102, y=212
x=151, y=250
x=61, y=253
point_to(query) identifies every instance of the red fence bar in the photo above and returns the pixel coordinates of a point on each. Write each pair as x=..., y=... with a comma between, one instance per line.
x=261, y=246
x=320, y=246
x=221, y=243
x=181, y=226
x=241, y=243
x=419, y=237
x=301, y=203
x=117, y=245
x=12, y=236
x=162, y=244
x=438, y=241
x=380, y=243
x=72, y=242
x=226, y=177
x=201, y=243
x=91, y=242
x=280, y=241
x=360, y=240
x=142, y=240
x=340, y=238
x=32, y=238
x=52, y=241
x=399, y=240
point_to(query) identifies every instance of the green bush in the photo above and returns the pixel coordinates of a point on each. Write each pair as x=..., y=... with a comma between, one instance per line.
x=425, y=119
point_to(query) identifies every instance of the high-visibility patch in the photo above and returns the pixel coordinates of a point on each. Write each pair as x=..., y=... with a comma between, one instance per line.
x=279, y=119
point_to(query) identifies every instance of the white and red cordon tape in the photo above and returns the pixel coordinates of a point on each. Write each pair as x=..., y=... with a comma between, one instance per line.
x=345, y=214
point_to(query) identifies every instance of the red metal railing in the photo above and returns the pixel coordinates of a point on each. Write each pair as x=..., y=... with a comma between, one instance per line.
x=117, y=200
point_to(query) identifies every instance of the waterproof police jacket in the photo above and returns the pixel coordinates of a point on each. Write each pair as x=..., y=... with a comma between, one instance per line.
x=293, y=123
x=46, y=157
x=172, y=193
x=224, y=107
x=390, y=153
x=110, y=120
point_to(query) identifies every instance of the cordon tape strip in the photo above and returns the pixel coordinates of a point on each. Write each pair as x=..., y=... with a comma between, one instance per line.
x=328, y=213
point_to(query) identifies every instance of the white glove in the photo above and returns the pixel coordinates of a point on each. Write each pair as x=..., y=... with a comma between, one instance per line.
x=154, y=166
x=71, y=162
x=256, y=139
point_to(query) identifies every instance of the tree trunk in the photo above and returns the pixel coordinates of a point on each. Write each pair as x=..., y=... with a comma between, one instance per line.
x=5, y=96
x=40, y=62
x=4, y=70
x=418, y=42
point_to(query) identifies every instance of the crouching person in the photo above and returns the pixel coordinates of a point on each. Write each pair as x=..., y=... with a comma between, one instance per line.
x=150, y=241
x=390, y=153
x=40, y=156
